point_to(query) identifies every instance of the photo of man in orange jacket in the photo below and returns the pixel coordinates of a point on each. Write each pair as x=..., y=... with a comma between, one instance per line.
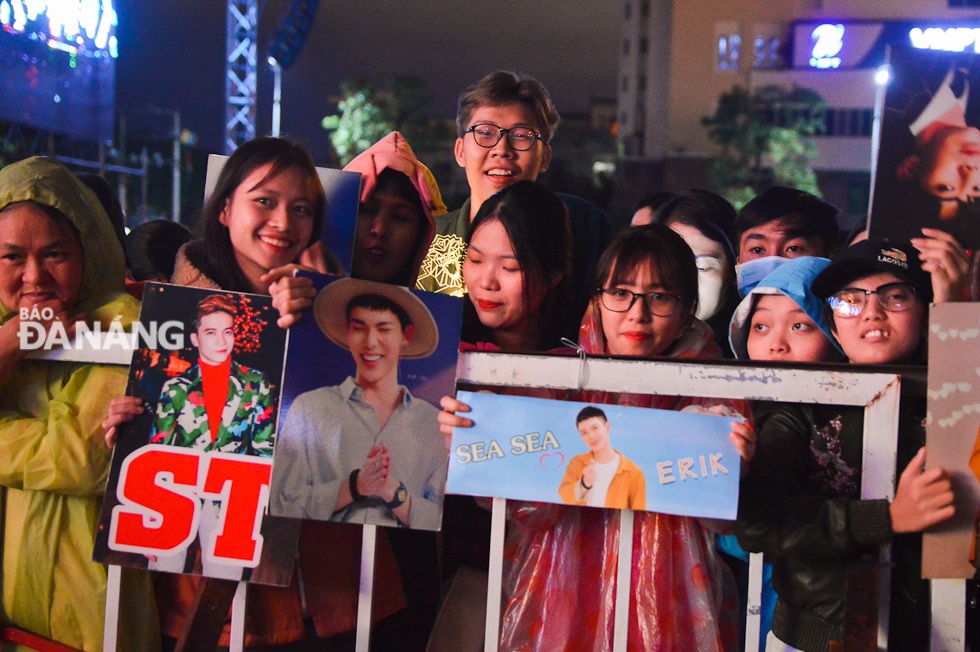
x=603, y=477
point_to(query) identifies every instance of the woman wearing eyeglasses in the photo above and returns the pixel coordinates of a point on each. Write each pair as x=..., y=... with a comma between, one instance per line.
x=561, y=560
x=800, y=502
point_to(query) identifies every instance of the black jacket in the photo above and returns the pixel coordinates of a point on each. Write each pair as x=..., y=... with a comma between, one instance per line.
x=800, y=503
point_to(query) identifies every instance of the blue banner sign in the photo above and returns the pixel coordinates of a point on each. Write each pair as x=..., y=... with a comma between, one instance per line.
x=595, y=455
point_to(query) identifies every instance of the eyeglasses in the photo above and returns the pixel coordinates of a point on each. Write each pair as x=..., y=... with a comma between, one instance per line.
x=893, y=297
x=519, y=138
x=660, y=304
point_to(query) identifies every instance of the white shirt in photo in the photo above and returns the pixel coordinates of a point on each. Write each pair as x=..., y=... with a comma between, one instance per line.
x=940, y=104
x=603, y=478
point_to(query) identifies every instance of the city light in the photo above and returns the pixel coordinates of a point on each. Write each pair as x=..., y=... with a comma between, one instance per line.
x=952, y=39
x=829, y=42
x=64, y=47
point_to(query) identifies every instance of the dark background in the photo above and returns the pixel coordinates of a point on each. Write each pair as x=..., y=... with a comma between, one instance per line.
x=171, y=54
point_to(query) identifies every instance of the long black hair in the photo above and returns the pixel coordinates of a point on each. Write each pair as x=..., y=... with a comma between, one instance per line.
x=536, y=222
x=214, y=254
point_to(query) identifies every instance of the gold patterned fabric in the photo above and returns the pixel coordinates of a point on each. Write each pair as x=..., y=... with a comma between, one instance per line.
x=442, y=268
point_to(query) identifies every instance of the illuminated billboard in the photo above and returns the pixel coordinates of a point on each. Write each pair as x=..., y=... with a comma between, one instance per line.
x=839, y=45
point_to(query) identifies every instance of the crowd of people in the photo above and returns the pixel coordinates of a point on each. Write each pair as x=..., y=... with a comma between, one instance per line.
x=690, y=279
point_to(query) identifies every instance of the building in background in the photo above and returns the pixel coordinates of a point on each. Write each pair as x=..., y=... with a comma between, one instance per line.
x=679, y=57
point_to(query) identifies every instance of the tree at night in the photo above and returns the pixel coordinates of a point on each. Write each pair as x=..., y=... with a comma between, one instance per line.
x=765, y=138
x=371, y=107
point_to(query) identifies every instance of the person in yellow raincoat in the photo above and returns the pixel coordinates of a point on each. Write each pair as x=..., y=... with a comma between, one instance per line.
x=60, y=256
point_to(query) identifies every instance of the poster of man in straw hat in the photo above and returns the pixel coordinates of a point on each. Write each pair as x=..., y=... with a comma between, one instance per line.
x=359, y=439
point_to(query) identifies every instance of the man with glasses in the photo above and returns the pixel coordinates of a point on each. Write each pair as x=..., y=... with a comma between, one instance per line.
x=505, y=124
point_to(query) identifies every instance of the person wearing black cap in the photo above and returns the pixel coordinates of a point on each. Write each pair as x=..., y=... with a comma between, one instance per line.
x=890, y=328
x=800, y=501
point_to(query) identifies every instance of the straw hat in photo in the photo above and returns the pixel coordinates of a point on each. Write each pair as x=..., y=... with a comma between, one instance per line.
x=330, y=309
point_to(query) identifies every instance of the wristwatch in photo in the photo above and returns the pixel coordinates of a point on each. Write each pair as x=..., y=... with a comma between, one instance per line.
x=401, y=495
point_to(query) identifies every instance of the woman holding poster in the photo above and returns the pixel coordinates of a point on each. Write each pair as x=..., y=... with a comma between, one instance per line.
x=60, y=259
x=267, y=208
x=561, y=575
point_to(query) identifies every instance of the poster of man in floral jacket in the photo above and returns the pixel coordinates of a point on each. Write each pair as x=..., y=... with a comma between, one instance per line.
x=217, y=404
x=188, y=487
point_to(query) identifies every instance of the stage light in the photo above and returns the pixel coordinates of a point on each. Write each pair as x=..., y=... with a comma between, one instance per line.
x=882, y=76
x=20, y=19
x=86, y=24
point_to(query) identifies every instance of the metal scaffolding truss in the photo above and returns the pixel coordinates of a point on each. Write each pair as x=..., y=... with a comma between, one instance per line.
x=240, y=67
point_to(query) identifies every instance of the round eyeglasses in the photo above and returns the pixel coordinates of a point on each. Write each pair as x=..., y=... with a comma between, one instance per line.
x=519, y=138
x=660, y=304
x=893, y=297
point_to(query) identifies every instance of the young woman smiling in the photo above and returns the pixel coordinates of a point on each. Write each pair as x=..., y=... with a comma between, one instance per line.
x=267, y=208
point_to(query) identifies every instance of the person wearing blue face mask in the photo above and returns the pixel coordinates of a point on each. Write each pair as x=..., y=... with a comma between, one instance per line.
x=784, y=223
x=780, y=320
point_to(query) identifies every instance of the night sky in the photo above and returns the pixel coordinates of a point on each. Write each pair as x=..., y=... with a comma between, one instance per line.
x=171, y=54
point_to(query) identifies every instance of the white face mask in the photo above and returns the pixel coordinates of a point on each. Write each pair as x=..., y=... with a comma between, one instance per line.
x=714, y=273
x=711, y=286
x=748, y=275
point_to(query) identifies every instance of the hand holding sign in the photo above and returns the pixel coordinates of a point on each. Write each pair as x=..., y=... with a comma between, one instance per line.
x=291, y=295
x=448, y=419
x=744, y=437
x=923, y=498
x=122, y=409
x=947, y=263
